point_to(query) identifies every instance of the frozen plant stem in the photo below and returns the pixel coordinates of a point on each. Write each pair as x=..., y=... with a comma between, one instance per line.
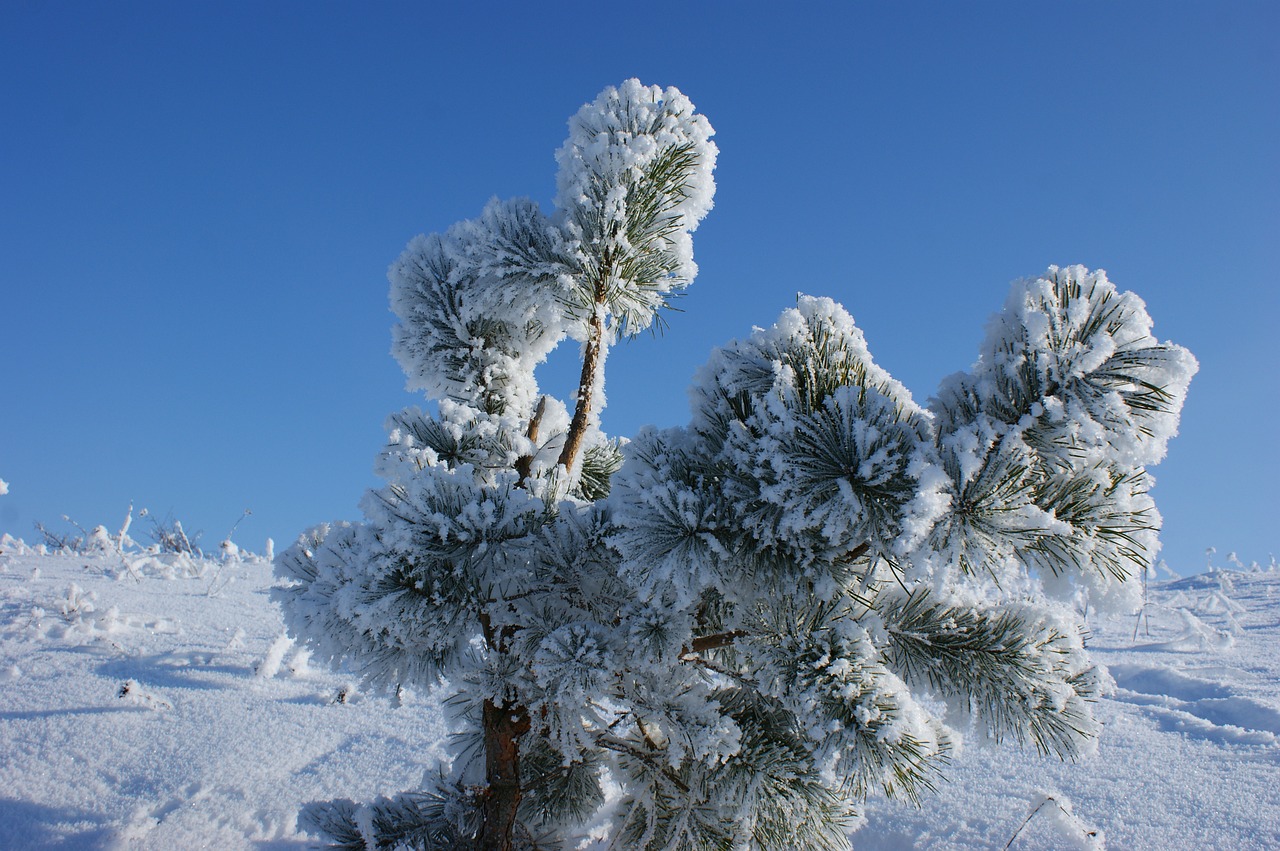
x=1088, y=834
x=587, y=382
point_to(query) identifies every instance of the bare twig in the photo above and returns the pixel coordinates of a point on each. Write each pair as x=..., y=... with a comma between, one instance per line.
x=1049, y=799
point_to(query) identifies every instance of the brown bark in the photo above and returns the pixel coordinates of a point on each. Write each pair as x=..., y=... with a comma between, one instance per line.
x=586, y=390
x=524, y=464
x=713, y=642
x=503, y=727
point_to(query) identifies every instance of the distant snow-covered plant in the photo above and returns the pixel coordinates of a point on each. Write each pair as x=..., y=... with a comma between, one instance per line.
x=172, y=554
x=59, y=542
x=169, y=536
x=77, y=603
x=12, y=545
x=748, y=624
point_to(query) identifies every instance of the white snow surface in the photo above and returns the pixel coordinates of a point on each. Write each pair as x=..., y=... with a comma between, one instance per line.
x=170, y=713
x=152, y=702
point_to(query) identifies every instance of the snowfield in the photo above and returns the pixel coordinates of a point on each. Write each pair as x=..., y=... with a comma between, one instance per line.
x=152, y=701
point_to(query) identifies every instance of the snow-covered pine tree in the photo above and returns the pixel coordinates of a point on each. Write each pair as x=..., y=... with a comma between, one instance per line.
x=731, y=625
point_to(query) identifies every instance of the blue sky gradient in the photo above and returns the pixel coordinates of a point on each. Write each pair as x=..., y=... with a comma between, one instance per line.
x=198, y=203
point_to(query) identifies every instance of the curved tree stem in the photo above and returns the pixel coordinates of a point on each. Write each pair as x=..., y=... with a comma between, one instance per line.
x=586, y=389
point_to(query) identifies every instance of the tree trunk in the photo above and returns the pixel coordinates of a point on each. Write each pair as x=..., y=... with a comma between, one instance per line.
x=503, y=726
x=586, y=392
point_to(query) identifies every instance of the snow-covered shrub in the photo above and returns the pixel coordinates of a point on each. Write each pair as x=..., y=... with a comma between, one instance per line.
x=54, y=541
x=77, y=603
x=173, y=553
x=735, y=623
x=169, y=536
x=10, y=545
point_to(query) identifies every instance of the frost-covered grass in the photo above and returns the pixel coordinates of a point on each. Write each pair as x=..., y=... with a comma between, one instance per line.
x=141, y=710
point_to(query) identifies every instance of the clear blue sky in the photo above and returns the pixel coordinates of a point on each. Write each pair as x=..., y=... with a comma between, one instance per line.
x=198, y=203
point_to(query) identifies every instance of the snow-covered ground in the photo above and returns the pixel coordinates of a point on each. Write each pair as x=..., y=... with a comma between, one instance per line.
x=1190, y=755
x=152, y=702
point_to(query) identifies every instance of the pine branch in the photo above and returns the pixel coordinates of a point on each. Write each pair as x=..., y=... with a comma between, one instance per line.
x=1019, y=673
x=651, y=758
x=599, y=463
x=558, y=788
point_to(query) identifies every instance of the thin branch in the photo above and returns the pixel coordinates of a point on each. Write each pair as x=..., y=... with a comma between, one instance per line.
x=713, y=642
x=644, y=731
x=586, y=387
x=524, y=464
x=1049, y=799
x=620, y=746
x=720, y=669
x=855, y=553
